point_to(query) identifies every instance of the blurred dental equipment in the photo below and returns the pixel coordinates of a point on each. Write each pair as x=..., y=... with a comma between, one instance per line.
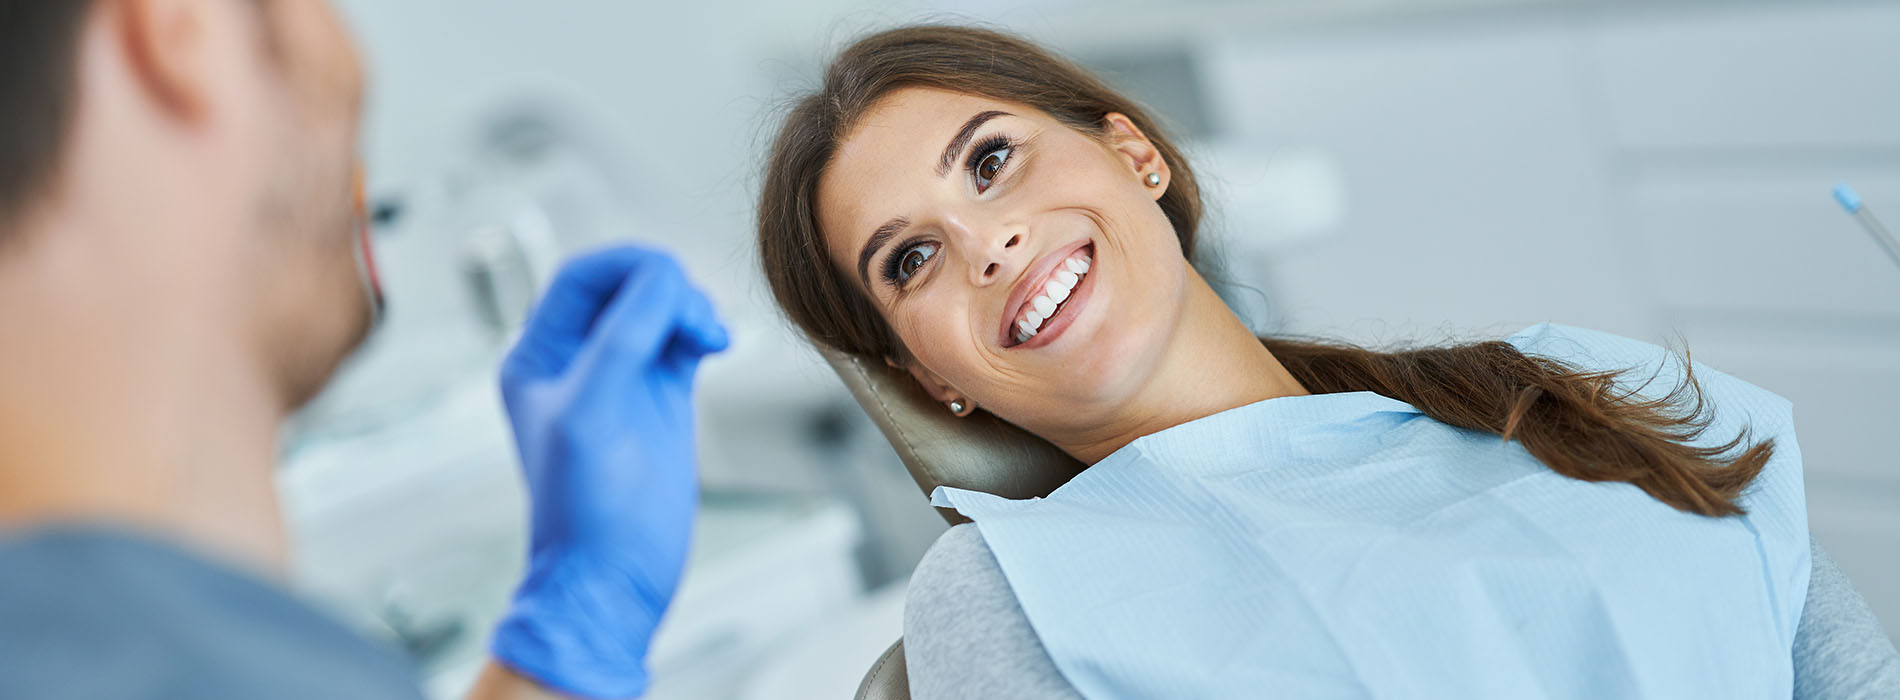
x=409, y=514
x=1850, y=200
x=462, y=253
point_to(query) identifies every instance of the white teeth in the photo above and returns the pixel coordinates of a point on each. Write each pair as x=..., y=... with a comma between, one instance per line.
x=1057, y=292
x=1054, y=292
x=1044, y=306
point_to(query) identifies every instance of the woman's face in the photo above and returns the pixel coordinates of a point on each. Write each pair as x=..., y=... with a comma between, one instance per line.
x=1025, y=265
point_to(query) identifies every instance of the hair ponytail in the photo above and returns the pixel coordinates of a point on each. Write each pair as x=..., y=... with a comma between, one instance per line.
x=1580, y=424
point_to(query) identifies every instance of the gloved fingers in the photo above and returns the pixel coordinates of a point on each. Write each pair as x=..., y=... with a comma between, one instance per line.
x=580, y=292
x=700, y=332
x=645, y=314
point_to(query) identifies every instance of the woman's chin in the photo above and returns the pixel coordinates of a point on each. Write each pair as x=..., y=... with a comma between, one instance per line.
x=1095, y=354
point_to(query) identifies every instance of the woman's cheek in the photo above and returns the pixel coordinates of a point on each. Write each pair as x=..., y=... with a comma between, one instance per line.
x=907, y=327
x=925, y=332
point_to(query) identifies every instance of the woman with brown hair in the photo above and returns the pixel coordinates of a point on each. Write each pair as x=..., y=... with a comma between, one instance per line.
x=1017, y=236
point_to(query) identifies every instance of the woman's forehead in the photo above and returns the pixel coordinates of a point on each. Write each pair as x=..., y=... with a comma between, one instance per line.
x=924, y=108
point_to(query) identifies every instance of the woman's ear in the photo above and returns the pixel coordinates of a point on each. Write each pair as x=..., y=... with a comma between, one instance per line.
x=1144, y=160
x=933, y=385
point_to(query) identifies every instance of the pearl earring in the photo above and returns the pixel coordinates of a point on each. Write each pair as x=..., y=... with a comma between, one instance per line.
x=956, y=406
x=1154, y=179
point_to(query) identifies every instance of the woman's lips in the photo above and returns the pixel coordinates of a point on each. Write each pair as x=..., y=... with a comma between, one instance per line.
x=1042, y=304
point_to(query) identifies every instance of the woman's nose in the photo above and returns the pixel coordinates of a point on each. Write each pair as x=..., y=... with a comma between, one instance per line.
x=990, y=242
x=994, y=250
x=999, y=261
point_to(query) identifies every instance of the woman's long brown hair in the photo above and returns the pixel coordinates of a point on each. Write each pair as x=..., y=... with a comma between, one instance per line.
x=1580, y=424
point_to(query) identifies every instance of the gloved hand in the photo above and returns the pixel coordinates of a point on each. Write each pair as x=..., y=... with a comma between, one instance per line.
x=599, y=392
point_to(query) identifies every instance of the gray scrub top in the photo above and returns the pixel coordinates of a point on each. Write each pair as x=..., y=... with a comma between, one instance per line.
x=91, y=612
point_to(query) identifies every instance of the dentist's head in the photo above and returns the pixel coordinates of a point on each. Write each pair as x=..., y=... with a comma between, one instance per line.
x=993, y=219
x=186, y=163
x=178, y=229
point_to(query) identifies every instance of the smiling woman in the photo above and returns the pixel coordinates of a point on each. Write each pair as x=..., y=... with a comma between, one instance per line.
x=921, y=207
x=1316, y=518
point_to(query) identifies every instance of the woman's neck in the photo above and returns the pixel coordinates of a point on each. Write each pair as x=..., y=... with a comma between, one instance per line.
x=1215, y=364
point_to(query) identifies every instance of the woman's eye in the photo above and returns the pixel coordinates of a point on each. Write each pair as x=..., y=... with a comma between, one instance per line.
x=990, y=167
x=914, y=260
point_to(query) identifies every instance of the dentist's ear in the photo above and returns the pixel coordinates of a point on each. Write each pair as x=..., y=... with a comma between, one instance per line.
x=168, y=45
x=1144, y=160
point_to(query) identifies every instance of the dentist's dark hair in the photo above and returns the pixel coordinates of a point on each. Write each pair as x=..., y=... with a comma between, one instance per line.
x=1580, y=424
x=38, y=48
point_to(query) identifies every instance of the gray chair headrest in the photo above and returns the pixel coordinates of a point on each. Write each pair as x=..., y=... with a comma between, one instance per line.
x=978, y=453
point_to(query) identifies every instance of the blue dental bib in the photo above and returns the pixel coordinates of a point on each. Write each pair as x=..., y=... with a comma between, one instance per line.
x=1348, y=546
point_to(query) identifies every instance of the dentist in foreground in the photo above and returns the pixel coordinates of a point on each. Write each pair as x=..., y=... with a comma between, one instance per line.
x=182, y=265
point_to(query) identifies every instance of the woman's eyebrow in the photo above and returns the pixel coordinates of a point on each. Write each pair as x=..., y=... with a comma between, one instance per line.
x=891, y=228
x=882, y=235
x=963, y=139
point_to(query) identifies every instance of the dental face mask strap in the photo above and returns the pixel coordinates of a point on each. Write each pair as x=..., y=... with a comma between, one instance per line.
x=366, y=276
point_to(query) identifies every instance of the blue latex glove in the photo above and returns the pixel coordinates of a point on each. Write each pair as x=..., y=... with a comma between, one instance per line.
x=599, y=392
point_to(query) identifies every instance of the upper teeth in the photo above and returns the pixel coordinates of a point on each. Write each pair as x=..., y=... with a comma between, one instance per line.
x=1043, y=305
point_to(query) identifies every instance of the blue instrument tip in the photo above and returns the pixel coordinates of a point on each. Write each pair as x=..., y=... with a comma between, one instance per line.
x=1849, y=199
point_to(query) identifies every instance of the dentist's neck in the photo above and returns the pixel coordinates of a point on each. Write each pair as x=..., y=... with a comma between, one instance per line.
x=1214, y=364
x=131, y=403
